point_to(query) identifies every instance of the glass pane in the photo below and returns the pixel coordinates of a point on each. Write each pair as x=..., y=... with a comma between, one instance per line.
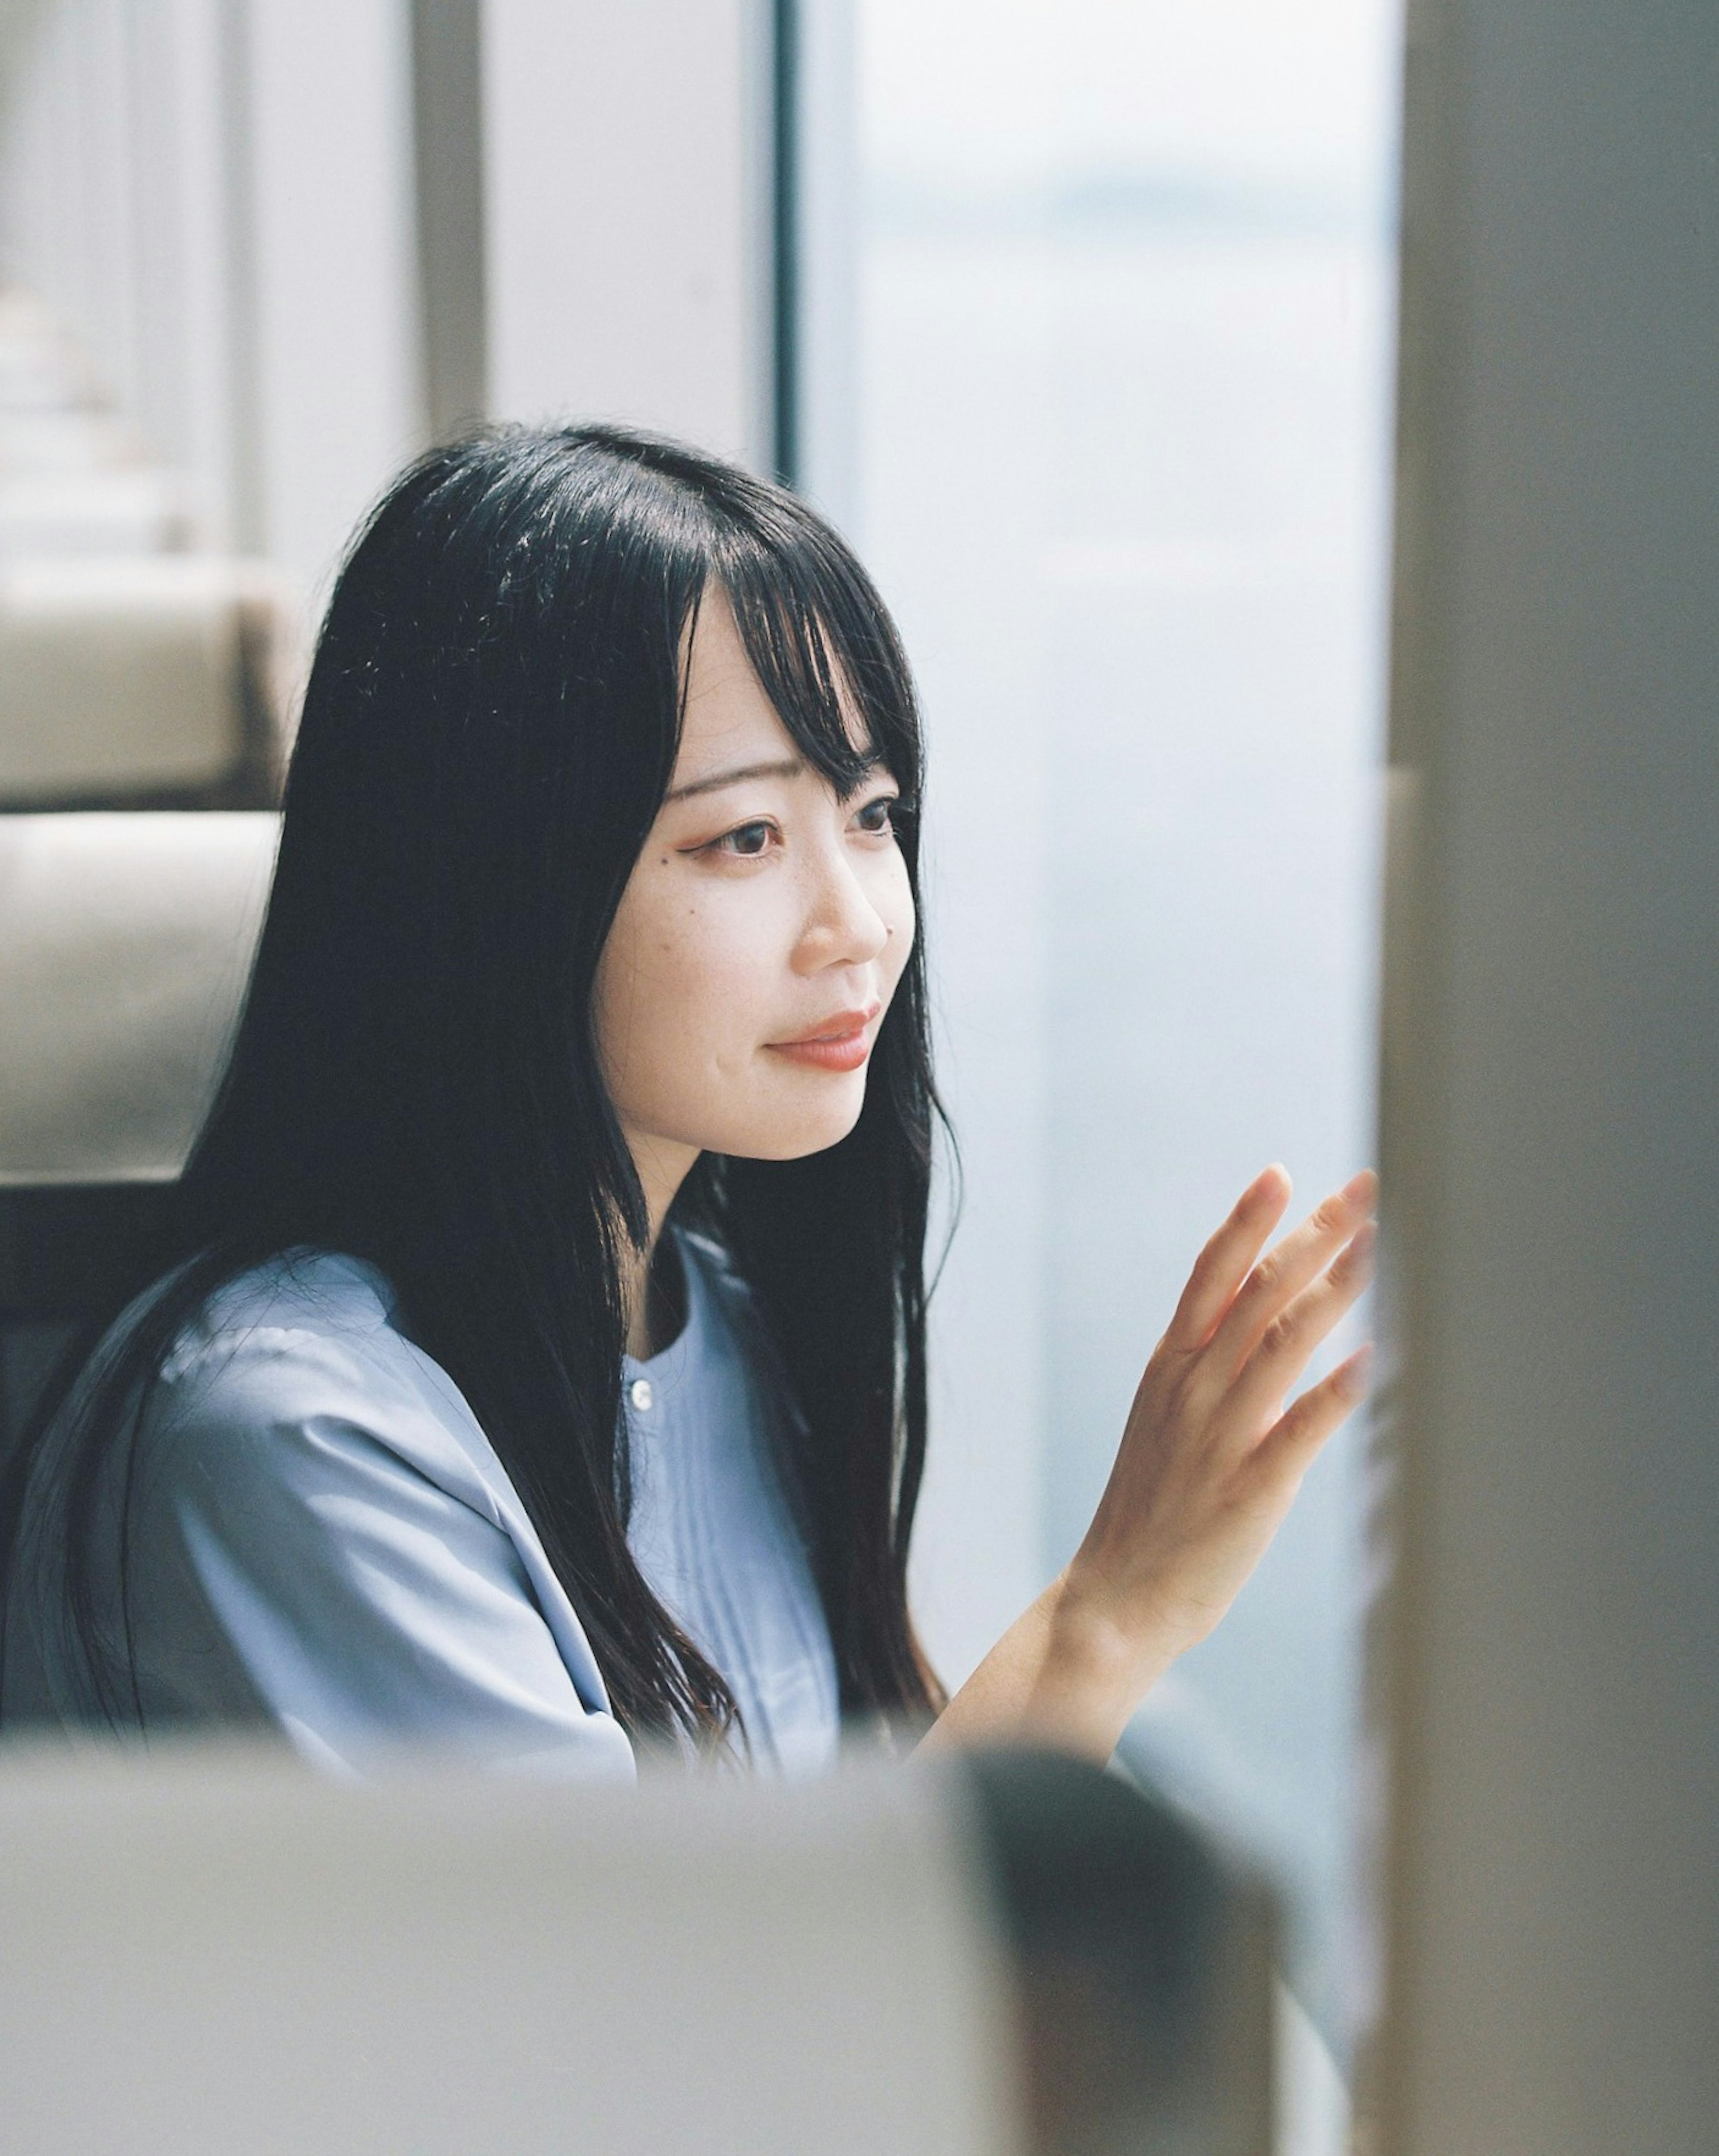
x=1111, y=428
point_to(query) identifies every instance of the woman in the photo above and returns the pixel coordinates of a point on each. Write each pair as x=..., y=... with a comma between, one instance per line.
x=536, y=1364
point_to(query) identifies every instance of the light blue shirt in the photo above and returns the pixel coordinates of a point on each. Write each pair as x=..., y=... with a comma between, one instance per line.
x=324, y=1540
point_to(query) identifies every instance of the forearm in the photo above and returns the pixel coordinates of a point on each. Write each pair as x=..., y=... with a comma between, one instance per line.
x=1061, y=1675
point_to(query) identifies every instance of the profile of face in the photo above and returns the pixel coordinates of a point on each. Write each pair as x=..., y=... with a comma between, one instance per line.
x=760, y=936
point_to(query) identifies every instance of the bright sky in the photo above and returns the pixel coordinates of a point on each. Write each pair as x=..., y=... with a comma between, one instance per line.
x=1300, y=91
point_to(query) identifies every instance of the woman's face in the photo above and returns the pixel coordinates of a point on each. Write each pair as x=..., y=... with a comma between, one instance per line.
x=759, y=940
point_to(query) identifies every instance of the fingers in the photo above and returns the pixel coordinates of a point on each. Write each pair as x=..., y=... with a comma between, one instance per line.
x=1223, y=1265
x=1294, y=1440
x=1284, y=1272
x=1291, y=1338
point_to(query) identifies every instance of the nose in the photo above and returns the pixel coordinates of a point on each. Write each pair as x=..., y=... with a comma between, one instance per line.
x=842, y=927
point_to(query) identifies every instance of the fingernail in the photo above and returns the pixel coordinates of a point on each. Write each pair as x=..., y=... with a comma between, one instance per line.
x=1361, y=1241
x=1358, y=1377
x=1359, y=1189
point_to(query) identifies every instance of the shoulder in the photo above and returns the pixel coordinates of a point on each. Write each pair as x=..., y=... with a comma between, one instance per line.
x=300, y=1364
x=316, y=1532
x=303, y=1293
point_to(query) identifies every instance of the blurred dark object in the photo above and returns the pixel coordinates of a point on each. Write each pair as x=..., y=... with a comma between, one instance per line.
x=64, y=1250
x=1142, y=1966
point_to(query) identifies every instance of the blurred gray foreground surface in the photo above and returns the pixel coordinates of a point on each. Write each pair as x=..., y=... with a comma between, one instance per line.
x=219, y=1953
x=223, y=1956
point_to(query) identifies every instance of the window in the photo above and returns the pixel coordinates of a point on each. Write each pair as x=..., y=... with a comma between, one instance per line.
x=1095, y=367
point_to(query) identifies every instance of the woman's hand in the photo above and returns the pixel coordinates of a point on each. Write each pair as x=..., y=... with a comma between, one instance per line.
x=1209, y=1462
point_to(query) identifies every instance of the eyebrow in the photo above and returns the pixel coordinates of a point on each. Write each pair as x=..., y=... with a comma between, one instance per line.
x=786, y=768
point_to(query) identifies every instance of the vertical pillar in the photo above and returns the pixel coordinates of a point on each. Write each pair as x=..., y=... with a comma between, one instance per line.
x=448, y=146
x=1551, y=1125
x=817, y=240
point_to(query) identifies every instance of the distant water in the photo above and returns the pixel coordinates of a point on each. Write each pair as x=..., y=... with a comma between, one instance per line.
x=1124, y=483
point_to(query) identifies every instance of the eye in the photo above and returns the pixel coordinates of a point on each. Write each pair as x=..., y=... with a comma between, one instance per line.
x=874, y=819
x=745, y=842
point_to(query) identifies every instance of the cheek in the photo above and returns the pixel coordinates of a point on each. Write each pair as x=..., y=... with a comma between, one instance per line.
x=894, y=904
x=678, y=995
x=691, y=982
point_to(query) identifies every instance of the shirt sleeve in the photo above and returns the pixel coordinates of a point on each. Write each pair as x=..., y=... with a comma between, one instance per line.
x=313, y=1549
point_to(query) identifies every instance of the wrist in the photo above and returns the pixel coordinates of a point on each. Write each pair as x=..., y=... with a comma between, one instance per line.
x=1098, y=1665
x=1089, y=1635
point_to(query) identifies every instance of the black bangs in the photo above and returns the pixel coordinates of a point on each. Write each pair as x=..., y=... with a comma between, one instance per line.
x=823, y=648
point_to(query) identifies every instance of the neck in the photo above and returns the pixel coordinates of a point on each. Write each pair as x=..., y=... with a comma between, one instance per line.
x=663, y=1167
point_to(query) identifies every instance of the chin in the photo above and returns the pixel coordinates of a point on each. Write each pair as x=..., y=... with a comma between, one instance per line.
x=797, y=1132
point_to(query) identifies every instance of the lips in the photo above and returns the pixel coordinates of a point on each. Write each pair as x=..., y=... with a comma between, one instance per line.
x=840, y=1042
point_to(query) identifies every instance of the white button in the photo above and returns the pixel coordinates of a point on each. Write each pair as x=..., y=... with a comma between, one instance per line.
x=639, y=1393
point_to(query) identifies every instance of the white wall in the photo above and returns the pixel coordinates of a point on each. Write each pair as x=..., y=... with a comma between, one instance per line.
x=334, y=269
x=627, y=176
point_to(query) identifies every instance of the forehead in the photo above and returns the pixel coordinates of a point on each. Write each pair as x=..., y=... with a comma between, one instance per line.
x=726, y=712
x=727, y=717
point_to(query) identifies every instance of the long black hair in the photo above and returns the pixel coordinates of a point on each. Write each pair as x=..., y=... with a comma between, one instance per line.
x=488, y=732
